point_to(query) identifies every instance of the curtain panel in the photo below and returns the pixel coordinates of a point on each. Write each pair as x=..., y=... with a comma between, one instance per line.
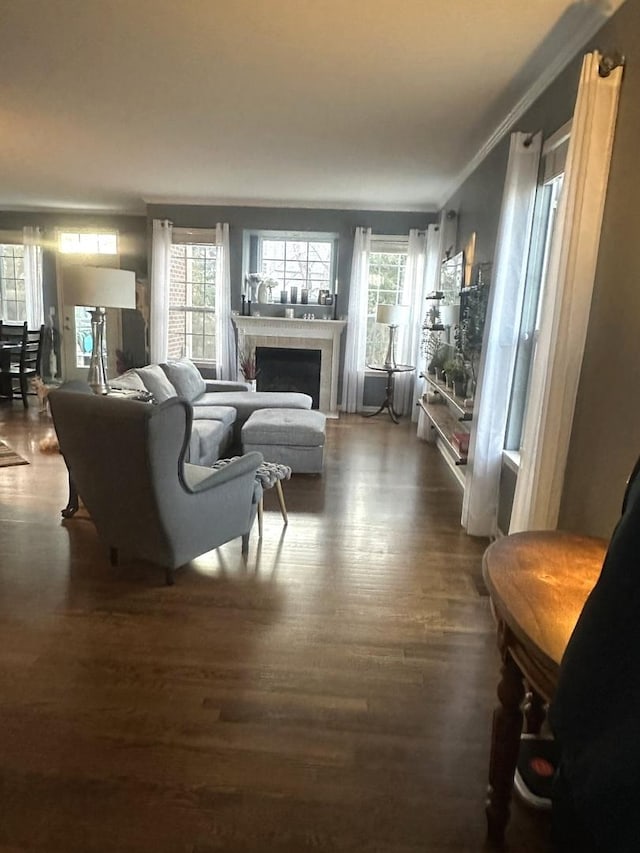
x=34, y=299
x=500, y=337
x=566, y=302
x=226, y=357
x=431, y=282
x=161, y=239
x=355, y=347
x=413, y=297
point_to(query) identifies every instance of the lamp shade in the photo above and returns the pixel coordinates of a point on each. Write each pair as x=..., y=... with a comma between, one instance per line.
x=99, y=286
x=392, y=315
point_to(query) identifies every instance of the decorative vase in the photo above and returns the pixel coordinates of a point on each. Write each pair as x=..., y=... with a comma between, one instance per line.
x=252, y=383
x=263, y=293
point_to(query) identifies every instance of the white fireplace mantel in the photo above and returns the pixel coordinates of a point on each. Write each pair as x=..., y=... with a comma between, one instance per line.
x=293, y=333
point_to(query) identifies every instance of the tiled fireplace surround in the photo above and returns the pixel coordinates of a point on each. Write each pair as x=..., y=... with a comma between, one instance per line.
x=323, y=335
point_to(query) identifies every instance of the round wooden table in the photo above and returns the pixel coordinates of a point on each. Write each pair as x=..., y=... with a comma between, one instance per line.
x=538, y=583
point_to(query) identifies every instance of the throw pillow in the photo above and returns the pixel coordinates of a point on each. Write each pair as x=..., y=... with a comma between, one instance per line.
x=156, y=382
x=185, y=378
x=128, y=381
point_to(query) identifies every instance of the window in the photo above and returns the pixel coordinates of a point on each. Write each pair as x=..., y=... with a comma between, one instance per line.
x=13, y=306
x=87, y=243
x=192, y=298
x=387, y=266
x=291, y=259
x=548, y=195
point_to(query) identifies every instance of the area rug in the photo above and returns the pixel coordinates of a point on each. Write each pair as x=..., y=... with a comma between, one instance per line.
x=10, y=457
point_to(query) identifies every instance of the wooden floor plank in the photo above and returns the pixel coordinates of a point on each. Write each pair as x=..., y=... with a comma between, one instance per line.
x=334, y=693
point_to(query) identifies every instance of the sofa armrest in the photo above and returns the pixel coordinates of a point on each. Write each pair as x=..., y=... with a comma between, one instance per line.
x=214, y=385
x=197, y=478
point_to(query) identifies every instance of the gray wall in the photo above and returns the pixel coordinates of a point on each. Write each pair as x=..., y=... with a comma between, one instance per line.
x=606, y=432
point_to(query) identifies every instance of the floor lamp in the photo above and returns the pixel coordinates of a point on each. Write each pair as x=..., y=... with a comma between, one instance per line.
x=99, y=287
x=392, y=316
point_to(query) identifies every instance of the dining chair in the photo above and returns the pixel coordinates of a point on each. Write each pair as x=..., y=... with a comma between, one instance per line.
x=22, y=364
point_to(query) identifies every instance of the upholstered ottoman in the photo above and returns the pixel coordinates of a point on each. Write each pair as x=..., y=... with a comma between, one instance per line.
x=293, y=437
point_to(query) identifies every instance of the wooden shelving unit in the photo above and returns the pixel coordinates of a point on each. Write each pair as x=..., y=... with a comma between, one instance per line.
x=439, y=421
x=465, y=413
x=445, y=424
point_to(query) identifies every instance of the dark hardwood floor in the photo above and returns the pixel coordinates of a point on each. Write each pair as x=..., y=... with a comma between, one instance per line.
x=333, y=694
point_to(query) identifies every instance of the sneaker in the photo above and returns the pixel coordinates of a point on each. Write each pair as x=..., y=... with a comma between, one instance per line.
x=536, y=767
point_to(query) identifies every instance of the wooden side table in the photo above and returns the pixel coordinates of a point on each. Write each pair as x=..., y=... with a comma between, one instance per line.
x=538, y=583
x=387, y=403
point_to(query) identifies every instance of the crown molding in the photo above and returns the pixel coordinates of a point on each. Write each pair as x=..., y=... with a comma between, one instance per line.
x=595, y=12
x=288, y=204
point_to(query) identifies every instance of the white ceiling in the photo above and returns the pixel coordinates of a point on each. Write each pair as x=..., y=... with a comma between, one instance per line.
x=381, y=104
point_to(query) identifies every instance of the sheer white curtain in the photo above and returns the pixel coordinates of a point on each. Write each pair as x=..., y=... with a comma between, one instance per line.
x=482, y=480
x=566, y=302
x=432, y=263
x=409, y=337
x=159, y=298
x=226, y=360
x=34, y=299
x=355, y=349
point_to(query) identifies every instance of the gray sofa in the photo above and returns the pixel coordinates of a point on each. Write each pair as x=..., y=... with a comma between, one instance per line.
x=220, y=408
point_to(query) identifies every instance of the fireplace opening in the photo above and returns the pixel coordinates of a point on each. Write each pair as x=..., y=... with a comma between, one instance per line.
x=288, y=369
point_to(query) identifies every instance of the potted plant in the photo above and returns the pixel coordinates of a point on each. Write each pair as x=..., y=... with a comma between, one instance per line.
x=433, y=350
x=248, y=368
x=456, y=376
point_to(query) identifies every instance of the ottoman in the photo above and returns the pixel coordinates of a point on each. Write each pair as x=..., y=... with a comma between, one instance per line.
x=293, y=437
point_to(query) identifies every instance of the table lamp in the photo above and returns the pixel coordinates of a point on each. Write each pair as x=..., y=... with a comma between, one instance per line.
x=100, y=287
x=392, y=316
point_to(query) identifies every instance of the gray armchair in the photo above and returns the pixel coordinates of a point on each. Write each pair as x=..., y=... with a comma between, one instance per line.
x=126, y=459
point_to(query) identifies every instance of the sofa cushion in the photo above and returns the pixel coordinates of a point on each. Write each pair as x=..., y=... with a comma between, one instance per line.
x=185, y=378
x=224, y=414
x=156, y=382
x=246, y=402
x=207, y=441
x=128, y=381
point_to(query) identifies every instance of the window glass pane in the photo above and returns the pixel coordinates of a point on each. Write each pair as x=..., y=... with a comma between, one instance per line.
x=273, y=249
x=12, y=288
x=107, y=244
x=386, y=286
x=297, y=262
x=193, y=286
x=88, y=243
x=544, y=220
x=69, y=242
x=320, y=251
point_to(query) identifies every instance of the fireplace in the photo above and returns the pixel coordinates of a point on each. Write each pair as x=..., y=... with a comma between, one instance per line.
x=299, y=334
x=288, y=369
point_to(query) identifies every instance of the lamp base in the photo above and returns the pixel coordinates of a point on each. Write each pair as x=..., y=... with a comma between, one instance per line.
x=97, y=376
x=390, y=358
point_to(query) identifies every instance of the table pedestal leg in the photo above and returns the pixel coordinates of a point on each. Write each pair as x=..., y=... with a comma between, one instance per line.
x=505, y=744
x=387, y=403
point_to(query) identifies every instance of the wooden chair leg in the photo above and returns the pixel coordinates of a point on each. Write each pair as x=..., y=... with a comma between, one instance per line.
x=245, y=544
x=283, y=507
x=260, y=514
x=23, y=392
